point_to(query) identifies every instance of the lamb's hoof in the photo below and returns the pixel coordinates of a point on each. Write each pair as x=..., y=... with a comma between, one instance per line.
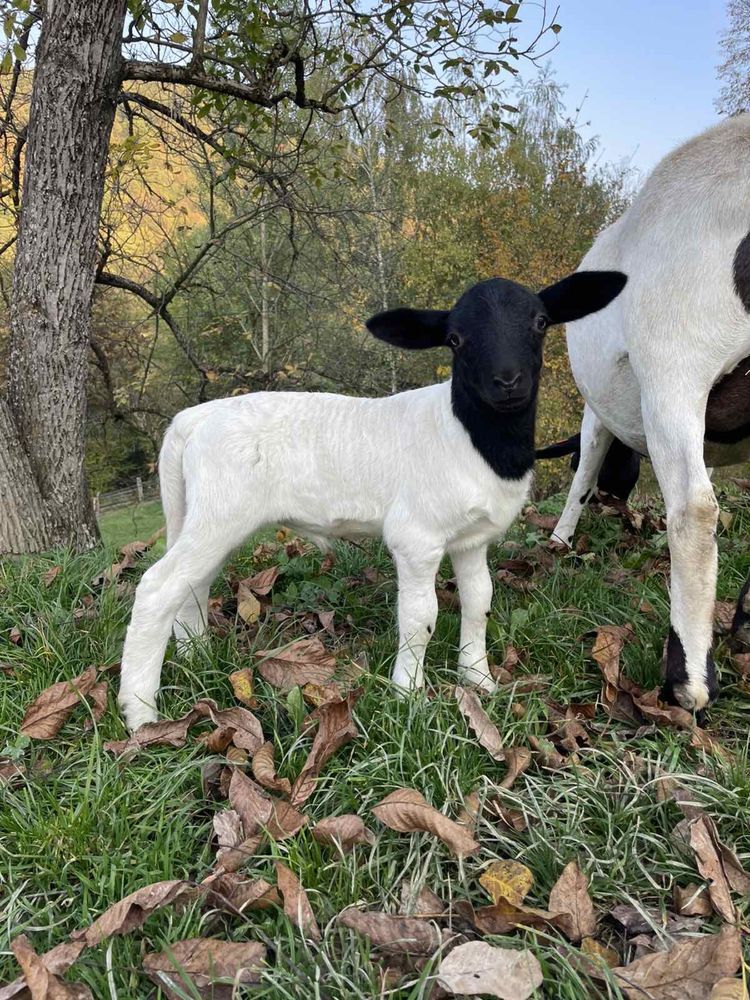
x=137, y=714
x=481, y=679
x=405, y=683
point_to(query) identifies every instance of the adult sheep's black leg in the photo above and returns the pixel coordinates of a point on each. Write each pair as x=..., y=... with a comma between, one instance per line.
x=740, y=630
x=619, y=472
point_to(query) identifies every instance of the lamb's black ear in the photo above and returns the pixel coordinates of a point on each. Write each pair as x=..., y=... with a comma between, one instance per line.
x=581, y=293
x=413, y=329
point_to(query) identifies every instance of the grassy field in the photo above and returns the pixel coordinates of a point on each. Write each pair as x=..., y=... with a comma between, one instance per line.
x=83, y=829
x=126, y=523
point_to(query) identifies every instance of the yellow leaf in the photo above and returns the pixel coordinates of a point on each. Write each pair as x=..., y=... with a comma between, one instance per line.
x=249, y=608
x=242, y=685
x=595, y=949
x=507, y=880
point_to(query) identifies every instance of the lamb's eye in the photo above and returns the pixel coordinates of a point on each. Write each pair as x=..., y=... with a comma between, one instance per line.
x=541, y=323
x=454, y=340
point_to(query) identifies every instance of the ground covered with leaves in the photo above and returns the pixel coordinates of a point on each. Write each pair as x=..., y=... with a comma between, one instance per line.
x=294, y=830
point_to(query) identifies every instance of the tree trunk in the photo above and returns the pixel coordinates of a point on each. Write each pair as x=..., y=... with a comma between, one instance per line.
x=265, y=329
x=44, y=499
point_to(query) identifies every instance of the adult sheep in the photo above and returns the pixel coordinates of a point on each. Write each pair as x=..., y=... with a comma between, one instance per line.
x=666, y=370
x=441, y=469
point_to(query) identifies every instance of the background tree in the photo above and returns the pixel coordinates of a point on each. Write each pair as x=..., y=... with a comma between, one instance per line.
x=242, y=63
x=735, y=70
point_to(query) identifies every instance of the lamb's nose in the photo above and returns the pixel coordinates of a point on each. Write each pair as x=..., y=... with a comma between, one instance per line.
x=507, y=380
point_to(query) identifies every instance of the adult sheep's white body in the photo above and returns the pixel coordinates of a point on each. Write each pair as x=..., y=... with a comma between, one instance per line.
x=440, y=469
x=665, y=369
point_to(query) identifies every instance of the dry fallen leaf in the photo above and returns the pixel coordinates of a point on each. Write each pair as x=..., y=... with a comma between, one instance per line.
x=702, y=740
x=624, y=699
x=407, y=811
x=264, y=771
x=730, y=989
x=718, y=865
x=248, y=606
x=594, y=949
x=242, y=685
x=514, y=819
x=501, y=917
x=424, y=903
x=507, y=880
x=47, y=714
x=686, y=972
x=236, y=893
x=11, y=771
x=51, y=575
x=335, y=728
x=262, y=582
x=692, y=901
x=260, y=815
x=486, y=731
x=477, y=968
x=214, y=968
x=305, y=661
x=41, y=982
x=342, y=831
x=120, y=918
x=247, y=735
x=98, y=700
x=571, y=904
x=319, y=694
x=469, y=813
x=296, y=904
x=392, y=934
x=130, y=554
x=133, y=911
x=546, y=522
x=517, y=759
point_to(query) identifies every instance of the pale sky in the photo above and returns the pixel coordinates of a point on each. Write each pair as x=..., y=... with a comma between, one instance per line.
x=647, y=69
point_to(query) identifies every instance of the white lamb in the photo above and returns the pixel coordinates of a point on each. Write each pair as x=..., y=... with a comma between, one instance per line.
x=440, y=469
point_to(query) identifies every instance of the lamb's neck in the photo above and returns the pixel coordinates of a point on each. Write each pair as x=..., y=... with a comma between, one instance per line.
x=504, y=440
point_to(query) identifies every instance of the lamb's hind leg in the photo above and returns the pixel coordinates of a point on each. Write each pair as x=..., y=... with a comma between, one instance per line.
x=194, y=559
x=475, y=590
x=595, y=442
x=191, y=621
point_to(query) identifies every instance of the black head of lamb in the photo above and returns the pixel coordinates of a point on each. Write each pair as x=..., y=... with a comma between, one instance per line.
x=496, y=333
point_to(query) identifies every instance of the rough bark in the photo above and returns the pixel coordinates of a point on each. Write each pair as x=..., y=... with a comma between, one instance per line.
x=44, y=499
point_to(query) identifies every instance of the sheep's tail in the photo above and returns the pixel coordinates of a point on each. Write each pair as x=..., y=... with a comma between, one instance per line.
x=560, y=448
x=172, y=482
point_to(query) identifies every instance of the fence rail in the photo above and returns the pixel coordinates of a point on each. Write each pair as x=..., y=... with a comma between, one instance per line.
x=127, y=496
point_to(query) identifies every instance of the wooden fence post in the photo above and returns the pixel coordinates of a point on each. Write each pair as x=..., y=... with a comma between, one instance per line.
x=139, y=489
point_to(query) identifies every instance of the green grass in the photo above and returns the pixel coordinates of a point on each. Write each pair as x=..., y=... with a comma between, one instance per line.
x=84, y=829
x=126, y=523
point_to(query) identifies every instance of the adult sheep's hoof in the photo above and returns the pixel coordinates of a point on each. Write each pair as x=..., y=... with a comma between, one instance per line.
x=692, y=694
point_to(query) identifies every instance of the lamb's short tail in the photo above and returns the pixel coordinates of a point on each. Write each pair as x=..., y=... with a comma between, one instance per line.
x=560, y=448
x=172, y=482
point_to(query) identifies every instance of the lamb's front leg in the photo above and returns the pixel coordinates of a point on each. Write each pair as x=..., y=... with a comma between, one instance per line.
x=417, y=613
x=475, y=590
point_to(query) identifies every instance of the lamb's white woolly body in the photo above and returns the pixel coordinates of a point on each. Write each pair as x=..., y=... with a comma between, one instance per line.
x=331, y=466
x=646, y=366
